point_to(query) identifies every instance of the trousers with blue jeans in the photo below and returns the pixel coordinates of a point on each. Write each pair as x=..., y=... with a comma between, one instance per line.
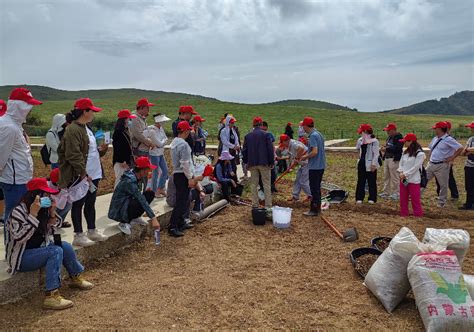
x=12, y=193
x=52, y=257
x=160, y=162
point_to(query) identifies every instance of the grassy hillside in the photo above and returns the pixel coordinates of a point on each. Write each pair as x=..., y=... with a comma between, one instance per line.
x=460, y=103
x=332, y=123
x=310, y=104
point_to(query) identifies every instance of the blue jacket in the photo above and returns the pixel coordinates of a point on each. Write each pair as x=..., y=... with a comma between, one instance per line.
x=126, y=189
x=223, y=172
x=258, y=149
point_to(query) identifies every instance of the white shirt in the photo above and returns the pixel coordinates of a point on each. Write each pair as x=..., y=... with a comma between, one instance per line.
x=159, y=138
x=93, y=168
x=16, y=164
x=445, y=148
x=411, y=166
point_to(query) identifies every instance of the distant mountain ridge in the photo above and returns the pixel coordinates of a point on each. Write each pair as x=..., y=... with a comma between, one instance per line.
x=460, y=103
x=53, y=94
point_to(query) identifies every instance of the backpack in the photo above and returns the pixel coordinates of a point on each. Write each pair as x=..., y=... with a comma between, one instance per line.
x=424, y=177
x=46, y=153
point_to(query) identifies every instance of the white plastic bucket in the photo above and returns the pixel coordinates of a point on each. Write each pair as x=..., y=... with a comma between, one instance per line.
x=281, y=216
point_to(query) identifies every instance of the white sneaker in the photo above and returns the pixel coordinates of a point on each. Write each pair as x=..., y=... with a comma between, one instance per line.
x=125, y=228
x=188, y=221
x=358, y=202
x=371, y=202
x=81, y=240
x=96, y=235
x=139, y=221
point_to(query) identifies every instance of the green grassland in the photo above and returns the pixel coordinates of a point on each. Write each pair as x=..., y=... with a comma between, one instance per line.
x=333, y=123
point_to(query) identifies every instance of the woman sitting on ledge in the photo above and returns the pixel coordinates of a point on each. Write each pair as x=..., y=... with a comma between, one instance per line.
x=29, y=247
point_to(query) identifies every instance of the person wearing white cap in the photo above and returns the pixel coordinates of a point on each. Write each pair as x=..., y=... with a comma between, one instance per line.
x=225, y=175
x=157, y=135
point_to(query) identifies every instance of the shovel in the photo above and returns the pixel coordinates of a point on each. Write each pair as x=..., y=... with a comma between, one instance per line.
x=349, y=235
x=286, y=172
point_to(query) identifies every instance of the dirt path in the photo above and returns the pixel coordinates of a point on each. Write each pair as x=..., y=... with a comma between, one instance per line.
x=227, y=273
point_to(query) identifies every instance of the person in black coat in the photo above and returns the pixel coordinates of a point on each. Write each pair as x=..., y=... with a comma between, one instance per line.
x=123, y=157
x=289, y=130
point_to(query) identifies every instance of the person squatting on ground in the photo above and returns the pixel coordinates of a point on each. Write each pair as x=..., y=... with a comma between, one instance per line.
x=140, y=143
x=296, y=150
x=258, y=153
x=129, y=202
x=368, y=163
x=225, y=176
x=444, y=150
x=158, y=137
x=16, y=163
x=29, y=246
x=409, y=172
x=316, y=157
x=122, y=158
x=53, y=138
x=469, y=170
x=183, y=178
x=79, y=158
x=391, y=155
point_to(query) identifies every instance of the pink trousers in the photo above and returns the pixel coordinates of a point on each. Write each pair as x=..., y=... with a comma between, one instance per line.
x=411, y=192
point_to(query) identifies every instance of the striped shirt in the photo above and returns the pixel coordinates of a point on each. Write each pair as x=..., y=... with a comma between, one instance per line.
x=20, y=228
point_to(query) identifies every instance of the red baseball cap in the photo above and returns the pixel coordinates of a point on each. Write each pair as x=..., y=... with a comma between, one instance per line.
x=410, y=137
x=24, y=95
x=3, y=107
x=289, y=124
x=441, y=124
x=470, y=125
x=233, y=120
x=86, y=104
x=257, y=120
x=364, y=127
x=284, y=138
x=184, y=125
x=144, y=162
x=144, y=102
x=199, y=118
x=208, y=170
x=40, y=184
x=54, y=175
x=390, y=126
x=126, y=114
x=308, y=121
x=303, y=140
x=187, y=109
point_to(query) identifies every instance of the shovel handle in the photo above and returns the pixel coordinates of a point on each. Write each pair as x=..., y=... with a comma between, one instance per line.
x=334, y=229
x=286, y=172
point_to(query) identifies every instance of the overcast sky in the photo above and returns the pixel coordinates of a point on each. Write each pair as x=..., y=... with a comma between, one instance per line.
x=368, y=54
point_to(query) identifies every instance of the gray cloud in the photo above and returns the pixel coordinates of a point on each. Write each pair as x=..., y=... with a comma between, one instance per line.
x=369, y=54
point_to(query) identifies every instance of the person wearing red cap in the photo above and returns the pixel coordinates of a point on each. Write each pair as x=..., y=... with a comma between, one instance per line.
x=79, y=160
x=296, y=150
x=259, y=156
x=185, y=113
x=53, y=138
x=289, y=130
x=122, y=144
x=16, y=163
x=444, y=150
x=452, y=185
x=28, y=246
x=3, y=107
x=158, y=137
x=129, y=202
x=141, y=144
x=200, y=136
x=316, y=157
x=63, y=206
x=183, y=179
x=368, y=164
x=469, y=170
x=409, y=171
x=391, y=154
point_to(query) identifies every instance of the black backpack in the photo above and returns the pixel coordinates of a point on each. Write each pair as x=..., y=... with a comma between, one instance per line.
x=424, y=177
x=46, y=153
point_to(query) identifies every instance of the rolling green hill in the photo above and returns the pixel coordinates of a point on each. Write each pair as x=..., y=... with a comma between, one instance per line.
x=333, y=123
x=460, y=103
x=310, y=104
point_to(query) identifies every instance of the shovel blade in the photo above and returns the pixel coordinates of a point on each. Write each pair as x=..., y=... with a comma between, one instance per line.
x=350, y=235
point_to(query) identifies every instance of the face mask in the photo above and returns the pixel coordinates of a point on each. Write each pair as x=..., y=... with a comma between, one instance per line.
x=45, y=202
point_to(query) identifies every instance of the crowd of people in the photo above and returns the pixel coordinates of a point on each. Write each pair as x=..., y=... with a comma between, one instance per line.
x=34, y=208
